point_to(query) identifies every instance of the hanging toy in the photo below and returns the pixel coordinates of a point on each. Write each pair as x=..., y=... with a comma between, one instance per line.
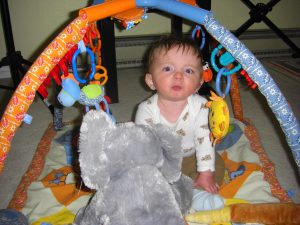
x=207, y=73
x=218, y=117
x=70, y=92
x=132, y=17
x=196, y=34
x=250, y=82
x=92, y=93
x=224, y=59
x=81, y=49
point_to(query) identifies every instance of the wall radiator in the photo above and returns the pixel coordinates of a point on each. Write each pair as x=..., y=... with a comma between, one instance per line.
x=138, y=45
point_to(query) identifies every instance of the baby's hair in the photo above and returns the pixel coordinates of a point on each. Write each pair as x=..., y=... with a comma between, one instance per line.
x=168, y=42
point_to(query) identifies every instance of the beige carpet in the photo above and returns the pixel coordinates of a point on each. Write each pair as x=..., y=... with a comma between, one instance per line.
x=131, y=91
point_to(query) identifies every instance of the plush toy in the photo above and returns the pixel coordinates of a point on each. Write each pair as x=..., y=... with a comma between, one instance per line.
x=218, y=117
x=136, y=172
x=89, y=95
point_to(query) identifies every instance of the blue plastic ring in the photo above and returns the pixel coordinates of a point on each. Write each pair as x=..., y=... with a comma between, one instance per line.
x=218, y=79
x=214, y=65
x=197, y=27
x=74, y=66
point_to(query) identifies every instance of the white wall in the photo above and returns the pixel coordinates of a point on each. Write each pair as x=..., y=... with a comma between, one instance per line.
x=36, y=22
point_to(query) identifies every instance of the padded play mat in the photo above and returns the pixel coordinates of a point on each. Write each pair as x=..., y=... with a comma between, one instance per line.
x=51, y=191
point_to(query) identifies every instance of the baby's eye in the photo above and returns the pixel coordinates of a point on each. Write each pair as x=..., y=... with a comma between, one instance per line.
x=189, y=71
x=167, y=69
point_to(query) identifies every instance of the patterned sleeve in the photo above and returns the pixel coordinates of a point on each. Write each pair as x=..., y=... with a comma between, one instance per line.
x=144, y=115
x=205, y=152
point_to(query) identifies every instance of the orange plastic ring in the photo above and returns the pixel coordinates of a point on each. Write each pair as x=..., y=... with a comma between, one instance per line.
x=101, y=75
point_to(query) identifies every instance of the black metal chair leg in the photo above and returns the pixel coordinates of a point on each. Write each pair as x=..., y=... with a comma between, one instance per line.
x=258, y=14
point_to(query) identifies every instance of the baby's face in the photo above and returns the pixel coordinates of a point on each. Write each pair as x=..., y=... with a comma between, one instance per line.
x=175, y=74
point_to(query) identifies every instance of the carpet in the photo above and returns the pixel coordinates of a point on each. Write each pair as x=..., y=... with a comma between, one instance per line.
x=290, y=67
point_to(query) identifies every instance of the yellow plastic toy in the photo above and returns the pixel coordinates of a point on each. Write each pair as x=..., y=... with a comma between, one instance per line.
x=218, y=117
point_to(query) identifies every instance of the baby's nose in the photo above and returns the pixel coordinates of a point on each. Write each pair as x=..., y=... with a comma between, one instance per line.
x=178, y=75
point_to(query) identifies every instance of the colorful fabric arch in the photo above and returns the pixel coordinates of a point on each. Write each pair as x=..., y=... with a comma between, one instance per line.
x=38, y=72
x=73, y=33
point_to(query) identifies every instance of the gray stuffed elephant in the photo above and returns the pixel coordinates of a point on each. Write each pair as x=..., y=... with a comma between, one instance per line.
x=136, y=172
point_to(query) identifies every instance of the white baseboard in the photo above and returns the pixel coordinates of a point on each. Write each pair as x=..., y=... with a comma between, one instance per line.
x=4, y=72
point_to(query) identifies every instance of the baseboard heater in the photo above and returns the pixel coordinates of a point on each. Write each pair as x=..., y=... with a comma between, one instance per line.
x=140, y=43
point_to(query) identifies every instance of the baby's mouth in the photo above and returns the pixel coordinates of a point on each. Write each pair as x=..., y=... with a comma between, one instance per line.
x=176, y=87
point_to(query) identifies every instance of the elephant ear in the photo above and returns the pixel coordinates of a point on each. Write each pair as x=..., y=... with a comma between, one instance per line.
x=172, y=154
x=92, y=147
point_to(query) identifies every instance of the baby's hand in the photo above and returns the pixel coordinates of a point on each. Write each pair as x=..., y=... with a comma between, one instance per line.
x=206, y=181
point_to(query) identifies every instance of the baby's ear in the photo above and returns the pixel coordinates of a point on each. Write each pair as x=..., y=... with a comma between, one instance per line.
x=149, y=81
x=93, y=159
x=171, y=147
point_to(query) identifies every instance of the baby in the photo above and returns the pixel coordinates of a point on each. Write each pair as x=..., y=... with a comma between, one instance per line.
x=175, y=73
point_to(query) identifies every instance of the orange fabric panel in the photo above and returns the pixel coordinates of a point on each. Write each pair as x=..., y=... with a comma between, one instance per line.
x=266, y=213
x=63, y=192
x=229, y=190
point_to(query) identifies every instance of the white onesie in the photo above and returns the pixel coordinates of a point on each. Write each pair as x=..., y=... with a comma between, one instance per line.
x=192, y=125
